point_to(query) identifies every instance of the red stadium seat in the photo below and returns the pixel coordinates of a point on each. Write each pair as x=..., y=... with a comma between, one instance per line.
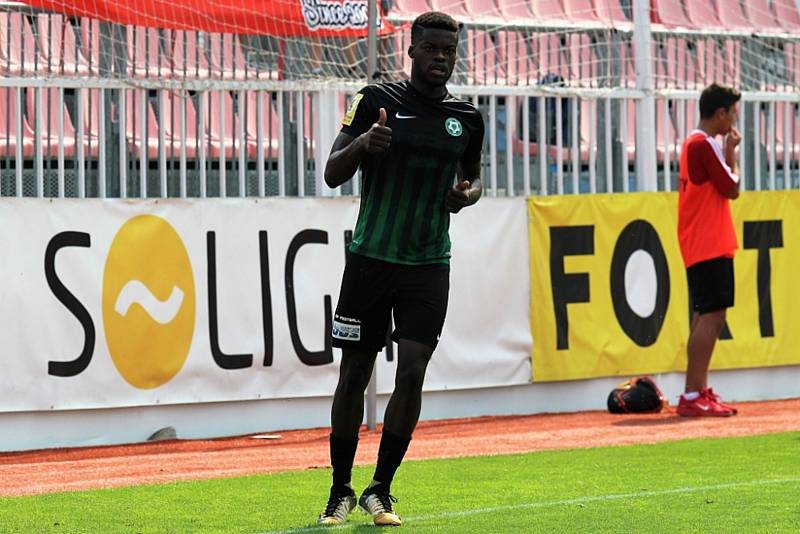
x=719, y=62
x=49, y=126
x=188, y=57
x=681, y=62
x=234, y=59
x=402, y=40
x=91, y=121
x=584, y=133
x=133, y=125
x=610, y=12
x=701, y=14
x=630, y=130
x=16, y=34
x=519, y=61
x=579, y=60
x=9, y=60
x=664, y=61
x=760, y=15
x=516, y=10
x=227, y=59
x=146, y=57
x=548, y=10
x=532, y=57
x=672, y=134
x=58, y=47
x=580, y=11
x=454, y=8
x=670, y=13
x=89, y=30
x=786, y=13
x=518, y=144
x=792, y=143
x=270, y=128
x=409, y=9
x=171, y=122
x=731, y=16
x=553, y=55
x=792, y=51
x=484, y=62
x=219, y=115
x=692, y=115
x=630, y=62
x=133, y=129
x=9, y=108
x=308, y=126
x=483, y=9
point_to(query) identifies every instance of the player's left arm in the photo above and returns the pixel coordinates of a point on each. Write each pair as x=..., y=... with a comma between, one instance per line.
x=469, y=188
x=719, y=172
x=732, y=140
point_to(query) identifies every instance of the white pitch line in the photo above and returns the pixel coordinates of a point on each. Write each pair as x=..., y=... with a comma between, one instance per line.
x=562, y=502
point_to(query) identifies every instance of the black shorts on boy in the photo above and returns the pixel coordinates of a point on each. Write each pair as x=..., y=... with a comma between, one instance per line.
x=711, y=285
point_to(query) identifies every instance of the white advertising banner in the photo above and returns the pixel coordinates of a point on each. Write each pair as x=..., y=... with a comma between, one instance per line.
x=125, y=303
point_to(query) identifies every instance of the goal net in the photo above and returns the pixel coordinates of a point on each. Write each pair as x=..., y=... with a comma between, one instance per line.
x=189, y=40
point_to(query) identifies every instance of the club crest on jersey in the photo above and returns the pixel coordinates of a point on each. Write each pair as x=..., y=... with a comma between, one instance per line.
x=453, y=127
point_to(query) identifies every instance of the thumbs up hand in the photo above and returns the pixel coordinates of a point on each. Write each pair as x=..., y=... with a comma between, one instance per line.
x=458, y=196
x=378, y=138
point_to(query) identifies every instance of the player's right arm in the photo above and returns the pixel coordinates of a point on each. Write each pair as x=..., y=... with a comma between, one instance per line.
x=348, y=151
x=364, y=132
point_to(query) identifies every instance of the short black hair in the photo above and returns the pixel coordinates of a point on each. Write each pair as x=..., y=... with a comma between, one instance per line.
x=717, y=96
x=433, y=20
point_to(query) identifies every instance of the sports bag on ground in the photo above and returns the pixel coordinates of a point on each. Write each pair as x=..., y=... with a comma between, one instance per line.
x=640, y=394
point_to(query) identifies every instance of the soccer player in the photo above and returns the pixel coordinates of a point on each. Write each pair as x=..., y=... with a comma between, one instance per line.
x=709, y=180
x=419, y=149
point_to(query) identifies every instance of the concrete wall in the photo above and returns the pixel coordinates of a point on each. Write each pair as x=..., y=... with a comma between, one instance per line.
x=36, y=430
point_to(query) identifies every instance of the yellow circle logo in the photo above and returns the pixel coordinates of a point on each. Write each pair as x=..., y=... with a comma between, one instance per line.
x=148, y=302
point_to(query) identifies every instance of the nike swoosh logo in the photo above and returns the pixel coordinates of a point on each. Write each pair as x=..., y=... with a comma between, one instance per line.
x=135, y=292
x=399, y=116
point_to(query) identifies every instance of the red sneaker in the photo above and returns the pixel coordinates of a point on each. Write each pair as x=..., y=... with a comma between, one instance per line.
x=702, y=406
x=709, y=392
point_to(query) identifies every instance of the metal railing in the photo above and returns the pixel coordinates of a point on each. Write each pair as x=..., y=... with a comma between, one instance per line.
x=121, y=127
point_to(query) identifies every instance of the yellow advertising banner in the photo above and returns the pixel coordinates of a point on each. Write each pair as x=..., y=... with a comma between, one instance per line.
x=608, y=287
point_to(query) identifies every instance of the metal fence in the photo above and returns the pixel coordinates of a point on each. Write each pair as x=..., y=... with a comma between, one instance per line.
x=121, y=126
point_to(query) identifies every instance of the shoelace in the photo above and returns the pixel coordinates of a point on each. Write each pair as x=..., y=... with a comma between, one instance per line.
x=386, y=501
x=334, y=508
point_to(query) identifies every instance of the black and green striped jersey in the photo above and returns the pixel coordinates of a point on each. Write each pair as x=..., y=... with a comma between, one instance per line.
x=402, y=216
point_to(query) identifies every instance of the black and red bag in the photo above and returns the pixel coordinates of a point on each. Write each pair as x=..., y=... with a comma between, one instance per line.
x=640, y=394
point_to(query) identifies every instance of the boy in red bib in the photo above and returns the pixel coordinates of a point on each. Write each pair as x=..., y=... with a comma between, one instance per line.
x=709, y=180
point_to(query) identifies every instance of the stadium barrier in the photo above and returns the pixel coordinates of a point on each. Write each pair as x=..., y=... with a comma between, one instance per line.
x=584, y=100
x=170, y=302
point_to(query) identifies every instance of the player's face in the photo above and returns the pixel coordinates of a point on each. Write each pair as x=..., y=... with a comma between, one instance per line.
x=434, y=55
x=728, y=118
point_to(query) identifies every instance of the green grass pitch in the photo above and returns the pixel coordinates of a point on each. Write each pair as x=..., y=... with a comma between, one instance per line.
x=747, y=485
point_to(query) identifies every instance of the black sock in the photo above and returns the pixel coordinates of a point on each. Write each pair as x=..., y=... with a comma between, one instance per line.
x=390, y=454
x=343, y=452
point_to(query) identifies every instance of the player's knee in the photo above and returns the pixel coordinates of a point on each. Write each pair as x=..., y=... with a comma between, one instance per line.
x=356, y=375
x=410, y=378
x=711, y=324
x=716, y=320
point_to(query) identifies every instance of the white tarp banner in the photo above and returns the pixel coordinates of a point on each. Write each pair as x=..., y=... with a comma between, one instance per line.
x=123, y=303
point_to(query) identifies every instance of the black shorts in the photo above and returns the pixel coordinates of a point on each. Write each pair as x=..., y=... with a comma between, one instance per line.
x=711, y=285
x=373, y=289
